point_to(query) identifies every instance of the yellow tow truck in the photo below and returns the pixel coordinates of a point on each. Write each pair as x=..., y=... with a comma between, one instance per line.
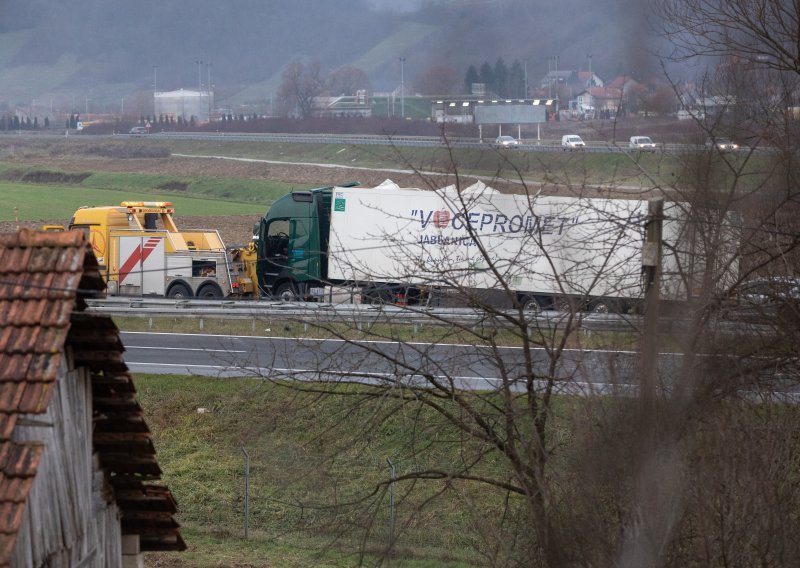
x=141, y=252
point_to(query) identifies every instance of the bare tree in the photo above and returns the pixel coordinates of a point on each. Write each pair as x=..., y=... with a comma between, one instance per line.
x=762, y=32
x=575, y=470
x=346, y=80
x=300, y=84
x=436, y=80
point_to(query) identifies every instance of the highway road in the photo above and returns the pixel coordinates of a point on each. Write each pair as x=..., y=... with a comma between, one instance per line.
x=467, y=366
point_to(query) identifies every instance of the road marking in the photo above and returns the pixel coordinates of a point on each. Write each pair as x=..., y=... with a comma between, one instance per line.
x=360, y=342
x=129, y=347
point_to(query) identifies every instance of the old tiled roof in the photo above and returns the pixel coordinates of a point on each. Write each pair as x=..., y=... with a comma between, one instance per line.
x=44, y=280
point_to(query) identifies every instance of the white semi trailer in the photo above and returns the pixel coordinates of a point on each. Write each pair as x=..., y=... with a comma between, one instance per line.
x=411, y=245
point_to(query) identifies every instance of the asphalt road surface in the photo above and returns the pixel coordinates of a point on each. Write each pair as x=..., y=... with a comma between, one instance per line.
x=463, y=366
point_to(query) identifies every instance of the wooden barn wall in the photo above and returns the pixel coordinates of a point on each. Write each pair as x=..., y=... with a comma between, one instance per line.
x=67, y=522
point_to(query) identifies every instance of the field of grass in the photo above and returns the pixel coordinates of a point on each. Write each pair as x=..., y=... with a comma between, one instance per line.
x=32, y=202
x=553, y=168
x=550, y=167
x=296, y=474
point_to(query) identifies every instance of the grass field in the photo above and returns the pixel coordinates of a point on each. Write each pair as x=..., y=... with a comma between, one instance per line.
x=296, y=474
x=236, y=181
x=31, y=202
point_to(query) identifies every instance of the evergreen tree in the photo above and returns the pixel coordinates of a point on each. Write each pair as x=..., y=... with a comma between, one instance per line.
x=191, y=121
x=46, y=122
x=471, y=77
x=16, y=122
x=516, y=81
x=487, y=77
x=500, y=74
x=36, y=123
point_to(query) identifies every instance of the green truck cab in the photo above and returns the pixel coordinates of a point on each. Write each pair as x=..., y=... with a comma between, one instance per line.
x=293, y=244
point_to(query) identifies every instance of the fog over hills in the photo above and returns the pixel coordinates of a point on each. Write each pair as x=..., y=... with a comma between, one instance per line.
x=107, y=49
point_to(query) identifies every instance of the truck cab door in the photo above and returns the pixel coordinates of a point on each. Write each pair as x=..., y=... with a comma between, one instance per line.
x=276, y=250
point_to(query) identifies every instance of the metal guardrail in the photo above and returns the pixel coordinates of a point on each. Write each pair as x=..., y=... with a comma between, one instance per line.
x=350, y=313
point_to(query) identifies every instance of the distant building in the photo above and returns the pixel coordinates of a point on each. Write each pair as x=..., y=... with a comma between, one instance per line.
x=184, y=104
x=469, y=110
x=335, y=107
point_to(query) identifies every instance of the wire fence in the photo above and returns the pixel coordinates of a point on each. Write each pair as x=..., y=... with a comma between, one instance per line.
x=349, y=503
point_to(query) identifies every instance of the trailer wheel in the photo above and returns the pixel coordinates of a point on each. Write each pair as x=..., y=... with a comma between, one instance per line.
x=179, y=292
x=286, y=292
x=209, y=291
x=603, y=307
x=530, y=305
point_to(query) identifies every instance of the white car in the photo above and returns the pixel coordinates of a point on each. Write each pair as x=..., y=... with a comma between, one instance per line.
x=642, y=143
x=722, y=144
x=572, y=142
x=506, y=142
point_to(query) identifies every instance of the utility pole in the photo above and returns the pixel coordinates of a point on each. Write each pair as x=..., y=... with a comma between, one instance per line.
x=155, y=79
x=199, y=76
x=402, y=89
x=651, y=273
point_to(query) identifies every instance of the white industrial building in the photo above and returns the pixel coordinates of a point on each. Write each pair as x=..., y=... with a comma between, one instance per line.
x=185, y=104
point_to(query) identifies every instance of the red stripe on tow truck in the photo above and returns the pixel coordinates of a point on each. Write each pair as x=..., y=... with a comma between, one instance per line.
x=139, y=255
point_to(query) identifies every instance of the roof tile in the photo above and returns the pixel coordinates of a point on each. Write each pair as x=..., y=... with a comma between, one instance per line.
x=35, y=398
x=11, y=393
x=14, y=366
x=23, y=460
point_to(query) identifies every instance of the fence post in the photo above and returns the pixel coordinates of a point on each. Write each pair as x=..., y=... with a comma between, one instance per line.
x=392, y=475
x=246, y=493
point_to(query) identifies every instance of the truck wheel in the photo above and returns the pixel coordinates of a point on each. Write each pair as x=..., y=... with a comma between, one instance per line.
x=209, y=291
x=530, y=305
x=286, y=292
x=179, y=292
x=603, y=307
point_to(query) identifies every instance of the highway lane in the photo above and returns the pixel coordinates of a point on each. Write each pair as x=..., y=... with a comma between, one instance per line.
x=464, y=366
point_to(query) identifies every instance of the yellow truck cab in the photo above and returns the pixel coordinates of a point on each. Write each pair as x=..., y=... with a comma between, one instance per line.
x=141, y=252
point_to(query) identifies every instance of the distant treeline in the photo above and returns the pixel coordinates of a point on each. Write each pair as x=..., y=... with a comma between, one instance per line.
x=16, y=123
